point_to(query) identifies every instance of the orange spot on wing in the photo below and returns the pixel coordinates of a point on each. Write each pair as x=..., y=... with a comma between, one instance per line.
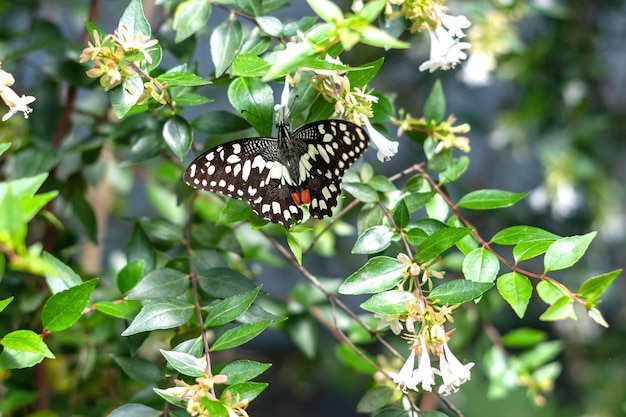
x=303, y=197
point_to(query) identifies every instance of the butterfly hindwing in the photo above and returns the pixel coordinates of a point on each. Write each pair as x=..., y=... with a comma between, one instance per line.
x=276, y=176
x=333, y=145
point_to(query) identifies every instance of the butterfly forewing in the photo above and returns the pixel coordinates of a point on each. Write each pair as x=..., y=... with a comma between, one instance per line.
x=269, y=173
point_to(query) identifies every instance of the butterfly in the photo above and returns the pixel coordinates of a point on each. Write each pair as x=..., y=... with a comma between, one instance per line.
x=278, y=175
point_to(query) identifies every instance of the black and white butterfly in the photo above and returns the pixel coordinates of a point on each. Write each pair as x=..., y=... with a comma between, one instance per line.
x=278, y=175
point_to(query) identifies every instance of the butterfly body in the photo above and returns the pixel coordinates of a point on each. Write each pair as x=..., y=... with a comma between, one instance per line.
x=278, y=175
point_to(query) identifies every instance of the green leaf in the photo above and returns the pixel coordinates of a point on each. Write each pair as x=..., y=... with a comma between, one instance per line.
x=134, y=410
x=16, y=359
x=437, y=208
x=190, y=17
x=124, y=96
x=566, y=251
x=160, y=283
x=458, y=291
x=160, y=314
x=559, y=310
x=4, y=147
x=530, y=249
x=140, y=247
x=223, y=282
x=456, y=168
x=401, y=215
x=178, y=136
x=516, y=290
x=363, y=74
x=374, y=399
x=523, y=337
x=288, y=59
x=254, y=100
x=596, y=316
x=378, y=274
x=245, y=391
x=124, y=310
x=226, y=40
x=5, y=302
x=163, y=232
x=139, y=369
x=435, y=105
x=129, y=275
x=83, y=212
x=389, y=302
x=213, y=236
x=481, y=265
x=248, y=65
x=185, y=363
x=270, y=25
x=517, y=234
x=489, y=199
x=220, y=122
x=65, y=308
x=135, y=20
x=228, y=309
x=327, y=10
x=243, y=370
x=371, y=35
x=239, y=335
x=550, y=292
x=234, y=211
x=12, y=223
x=26, y=341
x=594, y=287
x=182, y=78
x=303, y=332
x=435, y=244
x=60, y=277
x=295, y=247
x=374, y=240
x=361, y=192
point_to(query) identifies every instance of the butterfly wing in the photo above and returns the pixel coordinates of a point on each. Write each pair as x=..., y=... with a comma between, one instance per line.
x=331, y=146
x=242, y=169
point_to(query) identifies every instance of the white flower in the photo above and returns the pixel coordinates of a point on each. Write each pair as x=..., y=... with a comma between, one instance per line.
x=15, y=103
x=282, y=109
x=388, y=320
x=454, y=24
x=453, y=372
x=424, y=374
x=404, y=377
x=477, y=70
x=445, y=51
x=386, y=148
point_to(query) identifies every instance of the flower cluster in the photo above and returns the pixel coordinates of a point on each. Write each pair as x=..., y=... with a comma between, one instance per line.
x=445, y=133
x=120, y=56
x=193, y=395
x=354, y=104
x=11, y=99
x=445, y=31
x=424, y=323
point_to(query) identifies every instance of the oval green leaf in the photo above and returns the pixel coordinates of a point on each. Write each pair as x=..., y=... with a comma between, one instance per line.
x=378, y=274
x=438, y=242
x=489, y=199
x=65, y=308
x=566, y=251
x=388, y=302
x=374, y=240
x=458, y=291
x=516, y=290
